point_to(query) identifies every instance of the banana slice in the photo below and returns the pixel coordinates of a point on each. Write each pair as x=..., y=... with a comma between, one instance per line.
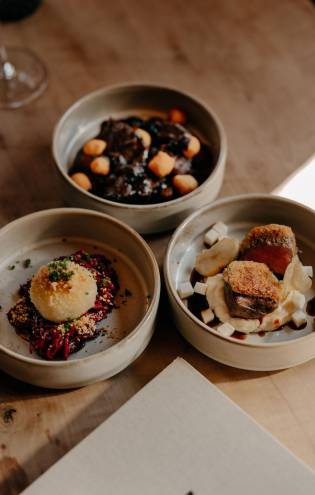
x=275, y=319
x=294, y=300
x=212, y=283
x=295, y=278
x=213, y=260
x=222, y=312
x=283, y=314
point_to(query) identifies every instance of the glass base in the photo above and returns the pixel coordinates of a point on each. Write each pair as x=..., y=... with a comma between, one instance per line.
x=22, y=78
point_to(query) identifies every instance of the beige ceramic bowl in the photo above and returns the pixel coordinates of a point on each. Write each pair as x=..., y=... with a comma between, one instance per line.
x=82, y=121
x=47, y=234
x=275, y=350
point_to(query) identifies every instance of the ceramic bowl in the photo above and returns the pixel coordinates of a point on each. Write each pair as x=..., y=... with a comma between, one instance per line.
x=47, y=234
x=274, y=350
x=81, y=122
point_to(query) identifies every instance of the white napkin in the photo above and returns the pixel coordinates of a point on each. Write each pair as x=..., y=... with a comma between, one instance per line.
x=179, y=435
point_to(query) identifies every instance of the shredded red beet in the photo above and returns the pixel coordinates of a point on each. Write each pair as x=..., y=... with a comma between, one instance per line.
x=57, y=341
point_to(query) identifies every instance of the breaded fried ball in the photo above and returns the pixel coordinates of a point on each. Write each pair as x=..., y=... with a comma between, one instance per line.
x=63, y=290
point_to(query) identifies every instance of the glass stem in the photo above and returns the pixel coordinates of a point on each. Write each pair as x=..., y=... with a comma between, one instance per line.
x=7, y=70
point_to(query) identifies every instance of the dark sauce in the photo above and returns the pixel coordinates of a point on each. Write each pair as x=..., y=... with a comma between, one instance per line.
x=197, y=302
x=239, y=335
x=214, y=323
x=195, y=277
x=293, y=326
x=310, y=307
x=280, y=328
x=290, y=324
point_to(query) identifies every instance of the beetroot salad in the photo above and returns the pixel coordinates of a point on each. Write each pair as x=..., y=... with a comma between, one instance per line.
x=58, y=340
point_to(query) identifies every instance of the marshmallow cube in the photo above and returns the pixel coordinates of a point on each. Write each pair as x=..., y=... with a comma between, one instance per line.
x=299, y=318
x=308, y=270
x=207, y=315
x=185, y=290
x=221, y=229
x=200, y=288
x=225, y=329
x=211, y=237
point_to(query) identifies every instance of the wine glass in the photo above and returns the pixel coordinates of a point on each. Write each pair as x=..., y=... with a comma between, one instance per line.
x=23, y=76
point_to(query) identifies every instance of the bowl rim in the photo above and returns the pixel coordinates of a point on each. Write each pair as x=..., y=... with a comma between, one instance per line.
x=154, y=301
x=173, y=293
x=142, y=86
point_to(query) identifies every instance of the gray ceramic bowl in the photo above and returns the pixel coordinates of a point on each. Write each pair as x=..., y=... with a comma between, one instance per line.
x=82, y=121
x=47, y=234
x=273, y=350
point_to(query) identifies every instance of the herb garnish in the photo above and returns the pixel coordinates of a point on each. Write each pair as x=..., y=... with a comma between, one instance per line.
x=58, y=270
x=27, y=263
x=67, y=326
x=86, y=256
x=11, y=267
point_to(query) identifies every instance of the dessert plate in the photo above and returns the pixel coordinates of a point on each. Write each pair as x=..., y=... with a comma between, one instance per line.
x=45, y=235
x=266, y=351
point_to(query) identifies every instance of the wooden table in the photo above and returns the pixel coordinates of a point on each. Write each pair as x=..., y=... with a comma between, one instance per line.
x=253, y=61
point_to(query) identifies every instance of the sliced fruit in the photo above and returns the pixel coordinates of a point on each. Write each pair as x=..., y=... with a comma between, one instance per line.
x=212, y=283
x=283, y=314
x=295, y=278
x=213, y=260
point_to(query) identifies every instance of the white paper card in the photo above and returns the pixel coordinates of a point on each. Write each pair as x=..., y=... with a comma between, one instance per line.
x=179, y=435
x=300, y=185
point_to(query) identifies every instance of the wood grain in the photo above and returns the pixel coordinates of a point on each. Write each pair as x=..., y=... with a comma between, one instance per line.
x=253, y=62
